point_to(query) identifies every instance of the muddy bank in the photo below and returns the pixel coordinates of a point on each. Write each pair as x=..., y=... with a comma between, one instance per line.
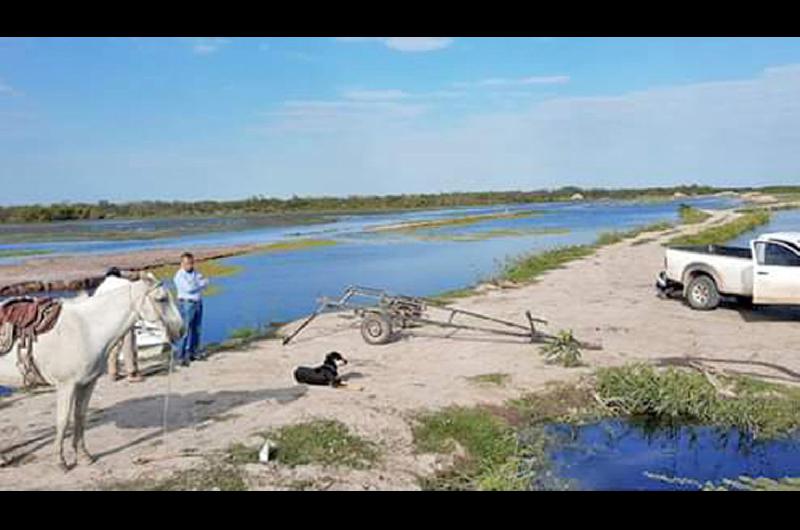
x=72, y=273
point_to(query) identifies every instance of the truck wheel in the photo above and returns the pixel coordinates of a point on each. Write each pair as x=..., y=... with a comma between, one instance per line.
x=702, y=293
x=376, y=329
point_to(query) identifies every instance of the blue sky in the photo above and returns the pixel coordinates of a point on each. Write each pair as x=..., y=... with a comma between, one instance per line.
x=198, y=118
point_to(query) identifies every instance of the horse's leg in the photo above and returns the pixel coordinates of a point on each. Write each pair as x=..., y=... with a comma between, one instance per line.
x=65, y=400
x=83, y=393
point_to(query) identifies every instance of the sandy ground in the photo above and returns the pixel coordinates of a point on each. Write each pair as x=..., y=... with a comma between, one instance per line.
x=607, y=298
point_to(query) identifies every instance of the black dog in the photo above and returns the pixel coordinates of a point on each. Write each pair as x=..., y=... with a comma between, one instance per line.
x=326, y=374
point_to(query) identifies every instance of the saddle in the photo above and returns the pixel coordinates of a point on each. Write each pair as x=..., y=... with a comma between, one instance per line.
x=21, y=321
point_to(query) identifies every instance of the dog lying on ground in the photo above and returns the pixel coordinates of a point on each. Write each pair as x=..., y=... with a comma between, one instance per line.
x=325, y=374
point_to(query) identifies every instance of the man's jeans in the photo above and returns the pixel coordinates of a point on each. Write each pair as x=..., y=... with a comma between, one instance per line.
x=192, y=314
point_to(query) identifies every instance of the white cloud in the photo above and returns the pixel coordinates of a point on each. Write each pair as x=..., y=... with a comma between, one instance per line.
x=376, y=95
x=207, y=45
x=338, y=115
x=523, y=81
x=405, y=44
x=738, y=132
x=7, y=90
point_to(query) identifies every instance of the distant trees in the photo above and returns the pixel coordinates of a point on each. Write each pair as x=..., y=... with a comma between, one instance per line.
x=261, y=205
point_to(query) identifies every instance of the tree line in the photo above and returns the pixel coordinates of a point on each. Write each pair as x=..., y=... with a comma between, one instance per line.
x=261, y=205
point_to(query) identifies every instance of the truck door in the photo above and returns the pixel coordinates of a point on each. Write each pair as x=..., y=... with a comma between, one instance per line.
x=776, y=274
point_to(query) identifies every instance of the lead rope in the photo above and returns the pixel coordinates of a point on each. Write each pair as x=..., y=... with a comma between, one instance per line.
x=166, y=401
x=164, y=425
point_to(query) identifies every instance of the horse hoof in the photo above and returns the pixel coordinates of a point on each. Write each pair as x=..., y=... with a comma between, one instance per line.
x=63, y=466
x=86, y=458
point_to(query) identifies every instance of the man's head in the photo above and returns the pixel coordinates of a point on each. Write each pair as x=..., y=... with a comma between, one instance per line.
x=187, y=261
x=114, y=271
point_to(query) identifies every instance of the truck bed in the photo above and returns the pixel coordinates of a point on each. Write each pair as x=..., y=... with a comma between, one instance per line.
x=718, y=250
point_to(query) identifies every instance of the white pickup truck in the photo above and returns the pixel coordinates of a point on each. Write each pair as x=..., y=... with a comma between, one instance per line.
x=768, y=272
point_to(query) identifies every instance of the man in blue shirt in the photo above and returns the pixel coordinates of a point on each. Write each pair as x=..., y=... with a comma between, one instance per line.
x=190, y=285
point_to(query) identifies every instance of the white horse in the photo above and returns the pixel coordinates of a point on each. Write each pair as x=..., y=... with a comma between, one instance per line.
x=73, y=354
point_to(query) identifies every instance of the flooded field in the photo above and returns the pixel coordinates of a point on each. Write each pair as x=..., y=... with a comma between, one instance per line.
x=280, y=285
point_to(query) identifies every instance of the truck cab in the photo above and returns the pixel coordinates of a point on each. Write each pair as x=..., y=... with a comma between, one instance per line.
x=776, y=268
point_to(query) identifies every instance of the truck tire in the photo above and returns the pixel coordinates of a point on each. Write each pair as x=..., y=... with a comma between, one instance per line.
x=376, y=329
x=702, y=294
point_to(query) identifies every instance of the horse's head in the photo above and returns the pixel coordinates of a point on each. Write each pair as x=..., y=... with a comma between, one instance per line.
x=158, y=305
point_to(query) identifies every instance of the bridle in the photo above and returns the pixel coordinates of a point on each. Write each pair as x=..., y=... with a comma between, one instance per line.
x=139, y=306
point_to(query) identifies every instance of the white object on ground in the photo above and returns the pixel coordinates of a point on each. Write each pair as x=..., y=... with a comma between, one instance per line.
x=263, y=455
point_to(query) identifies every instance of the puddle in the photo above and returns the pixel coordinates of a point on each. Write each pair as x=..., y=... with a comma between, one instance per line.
x=625, y=455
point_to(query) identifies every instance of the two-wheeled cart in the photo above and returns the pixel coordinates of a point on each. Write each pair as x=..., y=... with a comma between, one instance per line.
x=383, y=315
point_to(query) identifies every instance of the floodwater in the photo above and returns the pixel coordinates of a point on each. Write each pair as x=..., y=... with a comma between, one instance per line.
x=283, y=286
x=625, y=455
x=781, y=221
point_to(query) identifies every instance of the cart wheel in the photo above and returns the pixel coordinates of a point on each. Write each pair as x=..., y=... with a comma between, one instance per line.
x=376, y=329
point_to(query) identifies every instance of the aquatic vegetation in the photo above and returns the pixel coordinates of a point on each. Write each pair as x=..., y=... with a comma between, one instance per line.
x=610, y=238
x=681, y=396
x=493, y=234
x=719, y=234
x=564, y=349
x=210, y=269
x=456, y=221
x=496, y=378
x=296, y=244
x=13, y=253
x=690, y=215
x=325, y=442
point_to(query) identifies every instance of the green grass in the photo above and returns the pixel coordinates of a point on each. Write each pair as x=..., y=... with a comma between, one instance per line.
x=563, y=349
x=240, y=453
x=454, y=294
x=491, y=451
x=325, y=442
x=12, y=253
x=675, y=396
x=503, y=447
x=242, y=337
x=496, y=378
x=529, y=267
x=243, y=333
x=719, y=234
x=690, y=215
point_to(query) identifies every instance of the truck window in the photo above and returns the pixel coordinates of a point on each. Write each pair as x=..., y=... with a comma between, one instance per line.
x=772, y=254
